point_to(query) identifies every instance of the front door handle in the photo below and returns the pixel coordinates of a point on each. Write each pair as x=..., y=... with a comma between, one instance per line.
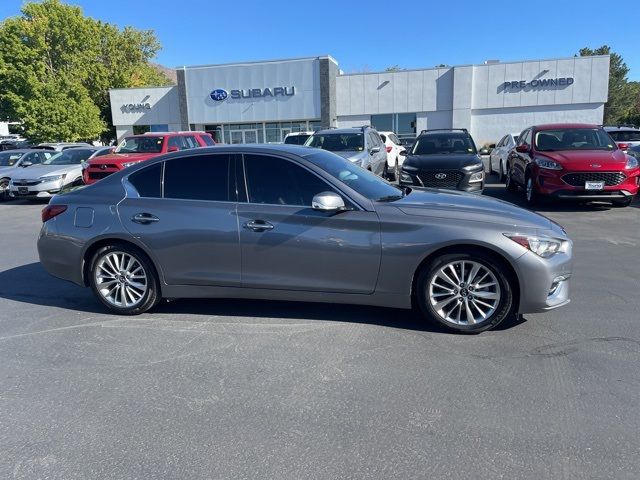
x=258, y=225
x=144, y=218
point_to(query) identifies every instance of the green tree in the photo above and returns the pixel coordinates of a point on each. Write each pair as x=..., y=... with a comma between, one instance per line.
x=56, y=68
x=618, y=102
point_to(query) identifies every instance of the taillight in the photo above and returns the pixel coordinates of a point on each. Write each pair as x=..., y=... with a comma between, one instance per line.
x=389, y=149
x=51, y=211
x=623, y=146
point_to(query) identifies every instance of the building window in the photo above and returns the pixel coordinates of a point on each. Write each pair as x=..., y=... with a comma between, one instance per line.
x=403, y=124
x=141, y=129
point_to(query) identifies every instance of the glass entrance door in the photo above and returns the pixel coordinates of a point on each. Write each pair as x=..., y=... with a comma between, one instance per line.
x=244, y=136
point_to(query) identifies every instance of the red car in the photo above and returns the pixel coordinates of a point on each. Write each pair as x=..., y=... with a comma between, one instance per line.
x=138, y=148
x=572, y=161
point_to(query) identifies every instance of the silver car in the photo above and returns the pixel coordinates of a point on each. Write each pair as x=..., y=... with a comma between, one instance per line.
x=360, y=145
x=296, y=223
x=14, y=162
x=61, y=170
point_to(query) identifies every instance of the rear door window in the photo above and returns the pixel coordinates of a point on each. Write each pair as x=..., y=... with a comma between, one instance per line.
x=176, y=142
x=148, y=181
x=207, y=140
x=191, y=142
x=201, y=177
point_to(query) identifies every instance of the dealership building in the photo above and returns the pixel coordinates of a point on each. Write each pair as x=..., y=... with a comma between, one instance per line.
x=258, y=102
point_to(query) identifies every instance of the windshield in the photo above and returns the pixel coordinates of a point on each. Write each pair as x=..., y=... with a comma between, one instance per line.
x=9, y=159
x=444, y=143
x=72, y=156
x=573, y=139
x=337, y=142
x=364, y=182
x=626, y=136
x=146, y=144
x=296, y=139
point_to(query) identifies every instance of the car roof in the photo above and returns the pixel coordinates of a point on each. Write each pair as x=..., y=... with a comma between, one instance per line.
x=306, y=132
x=22, y=150
x=343, y=130
x=554, y=126
x=621, y=128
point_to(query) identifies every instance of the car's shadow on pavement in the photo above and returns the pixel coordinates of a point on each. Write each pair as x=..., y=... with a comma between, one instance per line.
x=31, y=284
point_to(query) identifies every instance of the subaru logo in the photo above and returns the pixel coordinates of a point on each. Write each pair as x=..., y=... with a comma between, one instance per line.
x=440, y=176
x=218, y=95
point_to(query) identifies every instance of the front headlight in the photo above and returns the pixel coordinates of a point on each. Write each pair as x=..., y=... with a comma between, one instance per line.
x=128, y=164
x=52, y=178
x=632, y=162
x=548, y=164
x=409, y=168
x=476, y=177
x=541, y=245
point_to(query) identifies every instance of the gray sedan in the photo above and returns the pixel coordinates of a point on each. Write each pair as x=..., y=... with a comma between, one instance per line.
x=295, y=223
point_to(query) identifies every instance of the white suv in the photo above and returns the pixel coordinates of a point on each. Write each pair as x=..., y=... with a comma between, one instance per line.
x=625, y=136
x=394, y=158
x=297, y=138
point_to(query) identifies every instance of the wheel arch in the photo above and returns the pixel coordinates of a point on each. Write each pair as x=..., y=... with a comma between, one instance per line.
x=510, y=271
x=92, y=248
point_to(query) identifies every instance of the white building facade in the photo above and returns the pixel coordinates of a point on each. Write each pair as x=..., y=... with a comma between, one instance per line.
x=261, y=102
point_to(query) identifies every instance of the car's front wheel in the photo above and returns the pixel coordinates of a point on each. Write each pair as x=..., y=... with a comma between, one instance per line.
x=4, y=189
x=465, y=292
x=509, y=183
x=531, y=194
x=124, y=280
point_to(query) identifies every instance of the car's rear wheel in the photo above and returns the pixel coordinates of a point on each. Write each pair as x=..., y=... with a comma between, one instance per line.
x=4, y=189
x=509, y=183
x=124, y=280
x=465, y=292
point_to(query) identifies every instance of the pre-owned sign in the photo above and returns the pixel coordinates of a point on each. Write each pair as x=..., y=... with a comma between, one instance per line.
x=539, y=83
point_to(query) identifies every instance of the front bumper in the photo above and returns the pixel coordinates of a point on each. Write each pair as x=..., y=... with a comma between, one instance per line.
x=453, y=180
x=551, y=183
x=544, y=282
x=39, y=190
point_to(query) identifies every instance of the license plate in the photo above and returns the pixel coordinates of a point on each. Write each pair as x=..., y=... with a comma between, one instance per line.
x=23, y=191
x=594, y=185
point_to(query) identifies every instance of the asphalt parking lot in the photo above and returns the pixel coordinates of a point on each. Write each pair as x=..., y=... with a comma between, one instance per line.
x=251, y=389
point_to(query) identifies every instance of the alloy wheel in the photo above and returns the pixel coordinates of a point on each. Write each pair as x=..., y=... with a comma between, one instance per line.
x=4, y=190
x=529, y=190
x=464, y=292
x=121, y=279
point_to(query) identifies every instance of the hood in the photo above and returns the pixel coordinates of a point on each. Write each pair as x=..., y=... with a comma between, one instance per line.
x=464, y=206
x=36, y=171
x=352, y=155
x=122, y=158
x=585, y=159
x=443, y=161
x=7, y=169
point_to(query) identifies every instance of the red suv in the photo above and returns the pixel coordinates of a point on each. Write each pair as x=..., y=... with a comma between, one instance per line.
x=138, y=148
x=572, y=161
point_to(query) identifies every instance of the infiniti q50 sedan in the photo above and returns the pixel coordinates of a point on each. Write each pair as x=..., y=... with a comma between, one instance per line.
x=303, y=224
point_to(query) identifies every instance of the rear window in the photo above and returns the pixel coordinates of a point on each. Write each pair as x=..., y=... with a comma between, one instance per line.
x=296, y=139
x=337, y=142
x=444, y=143
x=626, y=136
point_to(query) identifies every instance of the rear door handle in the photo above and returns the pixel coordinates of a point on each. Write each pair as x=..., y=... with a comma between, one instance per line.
x=144, y=218
x=258, y=225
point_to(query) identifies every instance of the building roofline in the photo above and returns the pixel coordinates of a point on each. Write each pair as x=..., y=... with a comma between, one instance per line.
x=142, y=88
x=254, y=62
x=474, y=65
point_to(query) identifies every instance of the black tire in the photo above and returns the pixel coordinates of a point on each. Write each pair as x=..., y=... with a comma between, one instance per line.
x=4, y=189
x=385, y=171
x=509, y=184
x=622, y=203
x=151, y=296
x=396, y=171
x=495, y=265
x=531, y=195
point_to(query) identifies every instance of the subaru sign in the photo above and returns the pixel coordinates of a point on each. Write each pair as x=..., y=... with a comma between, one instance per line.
x=218, y=95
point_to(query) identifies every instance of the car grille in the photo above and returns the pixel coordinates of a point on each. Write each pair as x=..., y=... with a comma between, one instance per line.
x=450, y=180
x=26, y=183
x=609, y=178
x=99, y=175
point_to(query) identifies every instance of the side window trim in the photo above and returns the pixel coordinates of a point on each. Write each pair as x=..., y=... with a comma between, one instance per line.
x=243, y=172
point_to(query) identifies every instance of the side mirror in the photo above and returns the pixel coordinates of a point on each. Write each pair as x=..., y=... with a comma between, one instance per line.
x=524, y=148
x=173, y=149
x=374, y=150
x=328, y=202
x=26, y=163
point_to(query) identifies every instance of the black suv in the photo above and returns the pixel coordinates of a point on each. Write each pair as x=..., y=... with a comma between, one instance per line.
x=444, y=158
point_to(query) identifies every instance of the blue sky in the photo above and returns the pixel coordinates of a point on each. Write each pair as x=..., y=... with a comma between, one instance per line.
x=372, y=35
